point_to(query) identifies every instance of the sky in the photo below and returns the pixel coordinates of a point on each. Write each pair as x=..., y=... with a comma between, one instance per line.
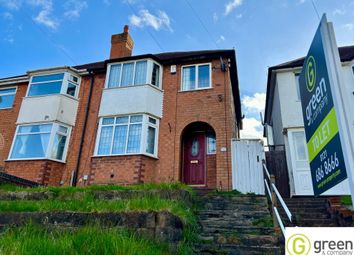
x=46, y=33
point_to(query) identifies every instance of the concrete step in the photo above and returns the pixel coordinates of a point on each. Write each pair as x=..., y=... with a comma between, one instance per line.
x=245, y=239
x=237, y=229
x=233, y=249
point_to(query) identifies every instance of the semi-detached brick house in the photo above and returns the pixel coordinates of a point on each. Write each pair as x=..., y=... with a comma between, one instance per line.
x=130, y=119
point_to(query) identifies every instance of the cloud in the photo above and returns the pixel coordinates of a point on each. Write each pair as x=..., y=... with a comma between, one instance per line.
x=254, y=103
x=252, y=128
x=11, y=4
x=215, y=17
x=45, y=16
x=239, y=16
x=221, y=39
x=349, y=26
x=301, y=1
x=146, y=19
x=74, y=8
x=339, y=12
x=230, y=6
x=7, y=16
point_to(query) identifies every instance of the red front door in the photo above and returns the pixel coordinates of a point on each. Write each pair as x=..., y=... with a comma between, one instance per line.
x=194, y=159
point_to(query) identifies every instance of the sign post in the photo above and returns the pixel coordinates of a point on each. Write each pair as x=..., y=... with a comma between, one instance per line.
x=327, y=132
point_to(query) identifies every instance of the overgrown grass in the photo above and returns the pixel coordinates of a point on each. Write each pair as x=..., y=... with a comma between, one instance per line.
x=231, y=193
x=68, y=199
x=346, y=200
x=89, y=204
x=67, y=189
x=36, y=240
x=266, y=221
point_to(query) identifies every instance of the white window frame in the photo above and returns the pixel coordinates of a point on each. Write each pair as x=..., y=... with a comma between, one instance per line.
x=149, y=68
x=297, y=84
x=64, y=85
x=9, y=94
x=207, y=145
x=197, y=76
x=143, y=139
x=53, y=132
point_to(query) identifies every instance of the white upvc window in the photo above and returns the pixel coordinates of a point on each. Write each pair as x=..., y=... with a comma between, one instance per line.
x=211, y=143
x=297, y=84
x=195, y=77
x=55, y=83
x=7, y=97
x=132, y=73
x=129, y=134
x=40, y=141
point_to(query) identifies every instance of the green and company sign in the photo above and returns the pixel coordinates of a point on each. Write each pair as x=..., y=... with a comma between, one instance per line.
x=320, y=120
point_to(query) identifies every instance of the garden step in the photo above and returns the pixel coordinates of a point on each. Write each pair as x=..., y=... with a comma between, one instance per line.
x=228, y=226
x=307, y=215
x=238, y=229
x=233, y=249
x=245, y=239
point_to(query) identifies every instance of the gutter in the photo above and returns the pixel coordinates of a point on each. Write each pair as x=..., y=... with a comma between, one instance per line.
x=76, y=170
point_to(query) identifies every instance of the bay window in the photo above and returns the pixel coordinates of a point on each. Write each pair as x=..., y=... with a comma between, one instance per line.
x=122, y=135
x=40, y=141
x=133, y=73
x=51, y=84
x=196, y=77
x=7, y=97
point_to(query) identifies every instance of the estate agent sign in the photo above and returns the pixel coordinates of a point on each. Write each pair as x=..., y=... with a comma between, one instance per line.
x=320, y=118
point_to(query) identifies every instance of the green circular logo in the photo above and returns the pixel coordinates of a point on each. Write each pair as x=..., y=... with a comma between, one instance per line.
x=298, y=244
x=310, y=73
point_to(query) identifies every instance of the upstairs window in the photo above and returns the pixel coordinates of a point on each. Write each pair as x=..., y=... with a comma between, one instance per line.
x=121, y=135
x=40, y=141
x=297, y=83
x=133, y=73
x=196, y=77
x=51, y=84
x=7, y=96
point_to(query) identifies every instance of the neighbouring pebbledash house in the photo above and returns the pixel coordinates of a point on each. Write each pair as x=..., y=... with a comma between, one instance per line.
x=130, y=119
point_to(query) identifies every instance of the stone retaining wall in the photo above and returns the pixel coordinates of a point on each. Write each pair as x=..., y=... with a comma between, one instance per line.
x=343, y=215
x=163, y=226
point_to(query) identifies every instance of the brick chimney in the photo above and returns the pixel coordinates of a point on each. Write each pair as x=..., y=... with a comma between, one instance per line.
x=121, y=44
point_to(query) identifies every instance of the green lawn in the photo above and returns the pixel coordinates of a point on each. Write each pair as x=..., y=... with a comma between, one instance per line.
x=33, y=239
x=346, y=200
x=90, y=204
x=36, y=240
x=66, y=189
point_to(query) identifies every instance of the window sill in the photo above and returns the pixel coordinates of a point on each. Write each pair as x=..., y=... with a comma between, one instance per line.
x=134, y=86
x=125, y=155
x=62, y=95
x=7, y=108
x=35, y=159
x=194, y=90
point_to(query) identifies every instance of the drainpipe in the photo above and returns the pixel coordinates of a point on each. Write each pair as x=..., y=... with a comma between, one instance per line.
x=76, y=171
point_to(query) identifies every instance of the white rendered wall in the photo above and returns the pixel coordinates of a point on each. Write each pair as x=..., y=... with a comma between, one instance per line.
x=133, y=99
x=48, y=108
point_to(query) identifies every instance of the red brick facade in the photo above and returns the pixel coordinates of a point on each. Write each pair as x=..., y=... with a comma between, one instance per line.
x=213, y=107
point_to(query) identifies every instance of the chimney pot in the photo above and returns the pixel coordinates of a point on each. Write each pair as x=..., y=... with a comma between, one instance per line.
x=126, y=29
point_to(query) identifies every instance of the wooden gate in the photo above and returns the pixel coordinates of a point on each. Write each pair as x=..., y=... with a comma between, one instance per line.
x=247, y=170
x=276, y=164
